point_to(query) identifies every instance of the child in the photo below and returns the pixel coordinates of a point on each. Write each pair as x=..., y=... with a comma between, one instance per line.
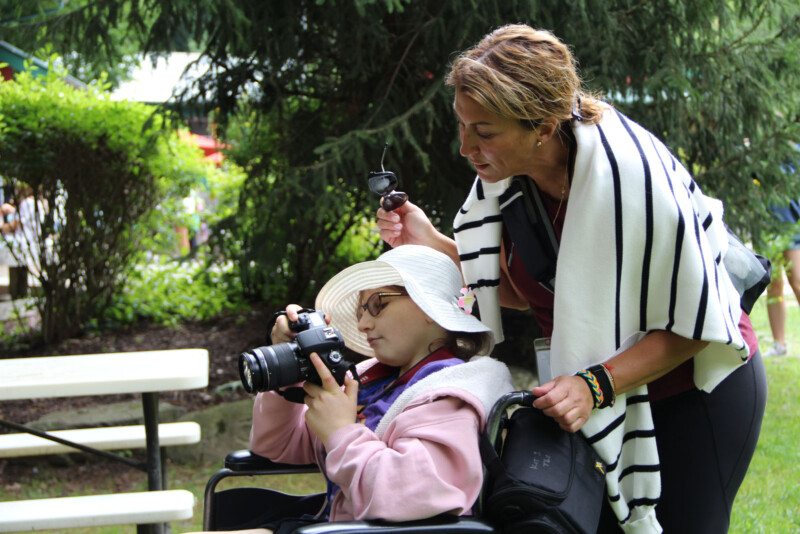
x=403, y=443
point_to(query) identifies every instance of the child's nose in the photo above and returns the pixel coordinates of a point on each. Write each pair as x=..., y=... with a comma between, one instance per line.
x=365, y=323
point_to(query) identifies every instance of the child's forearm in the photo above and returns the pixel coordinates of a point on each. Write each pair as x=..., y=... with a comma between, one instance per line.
x=279, y=431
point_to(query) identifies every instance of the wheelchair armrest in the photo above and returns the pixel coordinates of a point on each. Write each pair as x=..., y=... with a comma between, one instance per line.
x=245, y=463
x=245, y=460
x=434, y=525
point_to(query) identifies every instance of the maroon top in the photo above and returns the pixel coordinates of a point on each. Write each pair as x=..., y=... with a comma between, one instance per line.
x=539, y=298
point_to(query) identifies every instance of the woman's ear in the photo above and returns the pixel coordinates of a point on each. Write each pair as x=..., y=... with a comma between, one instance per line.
x=547, y=129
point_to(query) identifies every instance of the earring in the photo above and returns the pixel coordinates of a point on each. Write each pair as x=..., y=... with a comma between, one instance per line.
x=539, y=144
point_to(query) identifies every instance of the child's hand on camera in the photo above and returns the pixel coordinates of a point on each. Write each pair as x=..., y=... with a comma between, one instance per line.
x=281, y=333
x=329, y=406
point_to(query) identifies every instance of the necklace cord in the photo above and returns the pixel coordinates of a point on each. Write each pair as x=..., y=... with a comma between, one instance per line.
x=564, y=183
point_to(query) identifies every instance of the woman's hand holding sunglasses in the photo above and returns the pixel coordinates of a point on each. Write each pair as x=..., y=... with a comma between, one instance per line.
x=406, y=225
x=400, y=222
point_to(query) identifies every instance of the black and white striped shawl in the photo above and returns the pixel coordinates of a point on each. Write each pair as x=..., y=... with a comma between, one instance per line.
x=641, y=250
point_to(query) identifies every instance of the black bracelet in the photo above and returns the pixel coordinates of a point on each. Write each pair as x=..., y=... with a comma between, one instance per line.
x=600, y=383
x=609, y=393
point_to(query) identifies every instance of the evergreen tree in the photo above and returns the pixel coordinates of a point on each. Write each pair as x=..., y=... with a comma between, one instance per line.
x=316, y=87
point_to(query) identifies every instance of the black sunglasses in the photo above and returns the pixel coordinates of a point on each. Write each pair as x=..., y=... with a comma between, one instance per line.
x=375, y=304
x=383, y=184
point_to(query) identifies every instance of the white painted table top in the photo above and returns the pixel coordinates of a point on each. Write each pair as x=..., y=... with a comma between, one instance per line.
x=101, y=374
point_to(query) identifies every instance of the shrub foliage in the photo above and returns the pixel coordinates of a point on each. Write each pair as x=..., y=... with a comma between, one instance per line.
x=97, y=169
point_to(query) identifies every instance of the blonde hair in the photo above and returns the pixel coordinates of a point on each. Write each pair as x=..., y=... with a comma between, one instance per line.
x=521, y=73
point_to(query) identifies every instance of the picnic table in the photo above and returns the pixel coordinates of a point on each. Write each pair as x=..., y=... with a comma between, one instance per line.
x=148, y=373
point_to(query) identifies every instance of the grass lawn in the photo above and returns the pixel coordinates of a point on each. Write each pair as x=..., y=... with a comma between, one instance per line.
x=768, y=502
x=769, y=499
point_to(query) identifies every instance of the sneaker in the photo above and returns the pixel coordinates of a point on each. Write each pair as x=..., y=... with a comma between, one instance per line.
x=778, y=349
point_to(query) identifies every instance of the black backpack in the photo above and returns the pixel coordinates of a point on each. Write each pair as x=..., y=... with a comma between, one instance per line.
x=543, y=479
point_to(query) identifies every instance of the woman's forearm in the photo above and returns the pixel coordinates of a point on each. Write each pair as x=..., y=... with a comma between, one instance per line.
x=652, y=357
x=446, y=245
x=569, y=401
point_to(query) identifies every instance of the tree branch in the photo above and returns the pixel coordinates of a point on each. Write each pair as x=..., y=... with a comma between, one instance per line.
x=397, y=70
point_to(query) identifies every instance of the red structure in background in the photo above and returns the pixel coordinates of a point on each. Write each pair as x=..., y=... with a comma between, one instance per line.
x=212, y=150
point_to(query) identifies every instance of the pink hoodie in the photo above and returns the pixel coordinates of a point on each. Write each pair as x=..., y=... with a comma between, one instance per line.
x=423, y=458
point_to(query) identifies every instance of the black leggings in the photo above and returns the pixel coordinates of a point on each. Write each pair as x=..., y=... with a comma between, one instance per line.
x=705, y=444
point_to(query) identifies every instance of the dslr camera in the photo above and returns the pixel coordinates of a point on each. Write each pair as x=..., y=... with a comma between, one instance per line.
x=271, y=367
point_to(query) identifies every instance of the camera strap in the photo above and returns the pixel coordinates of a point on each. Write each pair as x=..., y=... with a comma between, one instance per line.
x=293, y=394
x=532, y=234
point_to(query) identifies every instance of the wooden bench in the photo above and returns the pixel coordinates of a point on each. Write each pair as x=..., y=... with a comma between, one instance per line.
x=104, y=438
x=97, y=510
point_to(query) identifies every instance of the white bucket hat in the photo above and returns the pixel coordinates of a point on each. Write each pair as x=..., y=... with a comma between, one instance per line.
x=429, y=277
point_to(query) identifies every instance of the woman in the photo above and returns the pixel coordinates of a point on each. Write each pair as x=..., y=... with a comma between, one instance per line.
x=583, y=216
x=402, y=442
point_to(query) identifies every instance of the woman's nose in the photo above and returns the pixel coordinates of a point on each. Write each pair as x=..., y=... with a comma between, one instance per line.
x=468, y=145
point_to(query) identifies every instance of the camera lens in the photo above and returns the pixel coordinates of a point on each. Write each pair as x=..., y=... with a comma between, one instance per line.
x=245, y=373
x=269, y=368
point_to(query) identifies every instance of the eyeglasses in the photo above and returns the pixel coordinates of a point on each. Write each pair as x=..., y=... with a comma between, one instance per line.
x=375, y=304
x=383, y=184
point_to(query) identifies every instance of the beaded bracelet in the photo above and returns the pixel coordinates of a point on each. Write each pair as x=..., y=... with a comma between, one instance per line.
x=601, y=383
x=594, y=386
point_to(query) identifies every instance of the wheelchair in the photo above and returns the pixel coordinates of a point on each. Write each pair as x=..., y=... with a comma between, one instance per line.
x=220, y=506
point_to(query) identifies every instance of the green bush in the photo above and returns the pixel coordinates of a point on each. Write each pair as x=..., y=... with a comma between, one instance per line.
x=107, y=176
x=166, y=291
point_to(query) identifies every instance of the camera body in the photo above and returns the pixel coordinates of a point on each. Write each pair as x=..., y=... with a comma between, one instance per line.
x=271, y=367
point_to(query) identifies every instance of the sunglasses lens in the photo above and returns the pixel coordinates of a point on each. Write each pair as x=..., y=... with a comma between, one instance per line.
x=394, y=200
x=381, y=183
